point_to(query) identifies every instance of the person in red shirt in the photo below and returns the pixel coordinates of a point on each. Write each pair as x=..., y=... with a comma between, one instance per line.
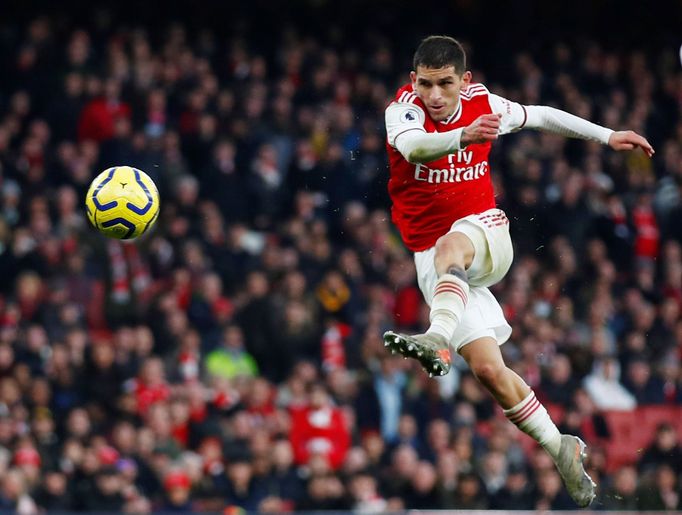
x=98, y=118
x=151, y=385
x=440, y=128
x=319, y=428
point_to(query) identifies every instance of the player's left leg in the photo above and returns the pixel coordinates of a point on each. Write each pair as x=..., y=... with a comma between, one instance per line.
x=523, y=409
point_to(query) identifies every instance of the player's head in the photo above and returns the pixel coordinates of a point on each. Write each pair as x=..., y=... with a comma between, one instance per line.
x=439, y=74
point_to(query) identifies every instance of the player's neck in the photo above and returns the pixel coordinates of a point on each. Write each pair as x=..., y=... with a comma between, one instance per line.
x=453, y=113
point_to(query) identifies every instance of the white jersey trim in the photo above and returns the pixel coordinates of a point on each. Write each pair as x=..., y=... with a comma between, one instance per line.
x=403, y=116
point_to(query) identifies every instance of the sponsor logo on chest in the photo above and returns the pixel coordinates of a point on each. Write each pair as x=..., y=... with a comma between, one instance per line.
x=459, y=169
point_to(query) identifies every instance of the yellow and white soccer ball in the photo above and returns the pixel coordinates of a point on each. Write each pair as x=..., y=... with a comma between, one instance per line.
x=122, y=202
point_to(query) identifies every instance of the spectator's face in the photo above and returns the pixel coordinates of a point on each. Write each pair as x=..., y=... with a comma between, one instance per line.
x=43, y=426
x=363, y=487
x=239, y=473
x=152, y=373
x=541, y=461
x=257, y=285
x=6, y=357
x=90, y=462
x=560, y=371
x=516, y=481
x=260, y=442
x=36, y=338
x=439, y=89
x=549, y=484
x=55, y=483
x=159, y=421
x=73, y=452
x=356, y=460
x=639, y=373
x=179, y=412
x=112, y=89
x=6, y=430
x=468, y=487
x=13, y=485
x=666, y=439
x=78, y=423
x=260, y=393
x=625, y=482
x=242, y=425
x=447, y=466
x=405, y=461
x=103, y=356
x=145, y=441
x=178, y=495
x=462, y=448
x=124, y=437
x=407, y=426
x=374, y=446
x=234, y=338
x=319, y=398
x=108, y=483
x=317, y=488
x=424, y=479
x=438, y=434
x=211, y=451
x=494, y=464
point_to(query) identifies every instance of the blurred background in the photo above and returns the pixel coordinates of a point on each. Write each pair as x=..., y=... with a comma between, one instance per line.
x=232, y=359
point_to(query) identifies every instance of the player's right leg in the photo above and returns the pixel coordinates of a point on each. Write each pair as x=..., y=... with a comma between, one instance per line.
x=523, y=409
x=477, y=249
x=453, y=254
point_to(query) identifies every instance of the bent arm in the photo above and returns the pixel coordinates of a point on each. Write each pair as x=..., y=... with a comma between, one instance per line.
x=555, y=121
x=419, y=146
x=406, y=133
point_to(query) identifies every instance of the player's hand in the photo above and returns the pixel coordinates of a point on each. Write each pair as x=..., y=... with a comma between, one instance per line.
x=630, y=140
x=483, y=129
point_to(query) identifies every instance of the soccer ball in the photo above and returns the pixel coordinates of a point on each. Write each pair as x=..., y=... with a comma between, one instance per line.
x=122, y=202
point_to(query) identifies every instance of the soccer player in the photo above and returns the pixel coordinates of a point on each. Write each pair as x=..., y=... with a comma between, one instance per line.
x=439, y=129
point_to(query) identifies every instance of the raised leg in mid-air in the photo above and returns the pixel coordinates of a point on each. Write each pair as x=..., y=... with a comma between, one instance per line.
x=454, y=253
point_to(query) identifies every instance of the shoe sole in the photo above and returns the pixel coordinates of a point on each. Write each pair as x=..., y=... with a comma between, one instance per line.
x=431, y=359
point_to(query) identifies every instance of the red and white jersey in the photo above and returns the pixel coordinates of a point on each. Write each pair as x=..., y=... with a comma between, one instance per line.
x=429, y=197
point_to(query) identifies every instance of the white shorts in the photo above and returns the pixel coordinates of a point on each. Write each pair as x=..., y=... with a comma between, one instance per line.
x=489, y=232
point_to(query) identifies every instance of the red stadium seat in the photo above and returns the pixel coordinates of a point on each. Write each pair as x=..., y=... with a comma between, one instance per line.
x=633, y=431
x=622, y=447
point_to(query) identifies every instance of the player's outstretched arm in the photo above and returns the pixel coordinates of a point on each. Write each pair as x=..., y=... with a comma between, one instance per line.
x=630, y=140
x=556, y=121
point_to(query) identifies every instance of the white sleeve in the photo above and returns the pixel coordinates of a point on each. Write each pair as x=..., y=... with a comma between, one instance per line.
x=560, y=122
x=405, y=132
x=402, y=117
x=513, y=114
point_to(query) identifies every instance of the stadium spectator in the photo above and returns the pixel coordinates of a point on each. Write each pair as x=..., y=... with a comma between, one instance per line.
x=266, y=143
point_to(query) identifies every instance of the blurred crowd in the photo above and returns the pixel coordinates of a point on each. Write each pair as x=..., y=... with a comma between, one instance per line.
x=233, y=357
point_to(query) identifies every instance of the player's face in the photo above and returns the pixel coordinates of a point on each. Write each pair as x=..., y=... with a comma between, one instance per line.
x=439, y=89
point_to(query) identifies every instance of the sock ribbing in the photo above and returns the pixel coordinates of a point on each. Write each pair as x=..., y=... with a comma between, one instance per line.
x=531, y=417
x=450, y=298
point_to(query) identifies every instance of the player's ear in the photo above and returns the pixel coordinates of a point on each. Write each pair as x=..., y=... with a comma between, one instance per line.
x=466, y=78
x=413, y=78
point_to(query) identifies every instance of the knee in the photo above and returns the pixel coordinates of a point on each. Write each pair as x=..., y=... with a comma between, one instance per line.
x=449, y=246
x=489, y=373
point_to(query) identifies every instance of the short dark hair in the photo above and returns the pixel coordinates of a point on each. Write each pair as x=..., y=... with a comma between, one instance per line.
x=439, y=52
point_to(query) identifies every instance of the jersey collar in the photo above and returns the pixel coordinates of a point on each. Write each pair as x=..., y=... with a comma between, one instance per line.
x=454, y=116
